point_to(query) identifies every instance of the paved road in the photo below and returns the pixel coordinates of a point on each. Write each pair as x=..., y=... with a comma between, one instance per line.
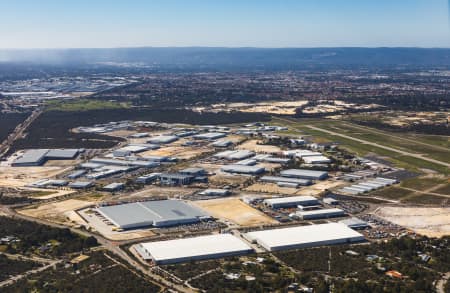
x=417, y=156
x=28, y=273
x=18, y=132
x=109, y=245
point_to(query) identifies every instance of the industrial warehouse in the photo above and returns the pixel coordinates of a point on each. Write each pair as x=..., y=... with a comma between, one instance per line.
x=197, y=248
x=304, y=236
x=38, y=157
x=158, y=213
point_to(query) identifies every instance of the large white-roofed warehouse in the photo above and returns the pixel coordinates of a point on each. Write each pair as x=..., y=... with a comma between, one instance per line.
x=304, y=236
x=196, y=248
x=158, y=213
x=291, y=201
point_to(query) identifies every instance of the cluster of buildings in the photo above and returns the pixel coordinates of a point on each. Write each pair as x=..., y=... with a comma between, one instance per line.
x=368, y=185
x=225, y=245
x=38, y=157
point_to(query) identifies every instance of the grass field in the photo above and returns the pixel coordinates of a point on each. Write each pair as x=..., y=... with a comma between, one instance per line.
x=394, y=140
x=422, y=184
x=83, y=105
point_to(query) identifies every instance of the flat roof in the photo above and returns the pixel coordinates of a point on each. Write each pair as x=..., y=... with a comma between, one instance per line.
x=32, y=156
x=290, y=199
x=305, y=236
x=202, y=247
x=303, y=172
x=320, y=212
x=243, y=169
x=147, y=213
x=62, y=153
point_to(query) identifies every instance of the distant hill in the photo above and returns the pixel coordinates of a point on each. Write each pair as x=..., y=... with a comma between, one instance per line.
x=235, y=58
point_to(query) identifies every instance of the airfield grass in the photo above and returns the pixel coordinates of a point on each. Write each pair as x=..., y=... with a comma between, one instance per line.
x=403, y=161
x=392, y=192
x=443, y=190
x=422, y=184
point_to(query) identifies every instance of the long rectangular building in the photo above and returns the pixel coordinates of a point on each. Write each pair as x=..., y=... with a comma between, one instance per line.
x=196, y=248
x=277, y=179
x=158, y=213
x=304, y=236
x=242, y=169
x=320, y=214
x=304, y=174
x=291, y=201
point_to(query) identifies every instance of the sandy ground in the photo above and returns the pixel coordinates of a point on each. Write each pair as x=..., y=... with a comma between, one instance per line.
x=56, y=212
x=22, y=176
x=273, y=107
x=252, y=145
x=432, y=222
x=156, y=191
x=180, y=152
x=271, y=188
x=234, y=210
x=61, y=163
x=56, y=193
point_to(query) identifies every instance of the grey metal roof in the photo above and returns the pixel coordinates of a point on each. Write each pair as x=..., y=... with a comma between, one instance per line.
x=63, y=153
x=32, y=157
x=243, y=169
x=138, y=214
x=302, y=173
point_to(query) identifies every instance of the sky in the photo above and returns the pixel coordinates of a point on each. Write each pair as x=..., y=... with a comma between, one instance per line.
x=224, y=23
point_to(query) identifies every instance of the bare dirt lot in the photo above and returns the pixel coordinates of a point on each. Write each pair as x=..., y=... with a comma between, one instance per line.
x=60, y=212
x=252, y=145
x=22, y=176
x=432, y=222
x=180, y=152
x=271, y=188
x=234, y=210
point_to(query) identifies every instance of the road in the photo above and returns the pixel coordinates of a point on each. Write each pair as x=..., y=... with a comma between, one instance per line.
x=28, y=273
x=18, y=132
x=111, y=246
x=440, y=285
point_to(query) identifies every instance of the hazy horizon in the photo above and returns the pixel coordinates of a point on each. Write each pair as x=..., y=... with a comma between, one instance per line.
x=50, y=24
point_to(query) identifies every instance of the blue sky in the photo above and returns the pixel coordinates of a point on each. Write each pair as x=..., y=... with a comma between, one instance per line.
x=231, y=23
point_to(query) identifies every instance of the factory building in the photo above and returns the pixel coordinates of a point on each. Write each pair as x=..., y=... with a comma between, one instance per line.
x=148, y=178
x=222, y=143
x=242, y=169
x=162, y=139
x=215, y=192
x=291, y=201
x=368, y=185
x=304, y=174
x=277, y=179
x=193, y=171
x=113, y=187
x=133, y=149
x=304, y=236
x=159, y=213
x=117, y=162
x=316, y=160
x=38, y=157
x=175, y=179
x=76, y=174
x=355, y=223
x=210, y=135
x=319, y=214
x=190, y=249
x=235, y=155
x=81, y=184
